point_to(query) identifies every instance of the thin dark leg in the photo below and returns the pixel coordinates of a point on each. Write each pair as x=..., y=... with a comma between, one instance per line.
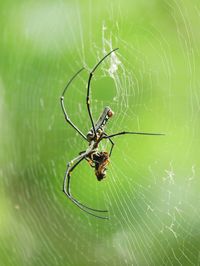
x=66, y=190
x=112, y=146
x=63, y=107
x=88, y=88
x=134, y=133
x=81, y=206
x=112, y=143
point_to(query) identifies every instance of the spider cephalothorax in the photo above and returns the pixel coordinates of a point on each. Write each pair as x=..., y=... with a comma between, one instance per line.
x=97, y=159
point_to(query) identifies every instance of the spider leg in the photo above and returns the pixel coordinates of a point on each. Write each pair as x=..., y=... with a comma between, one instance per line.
x=63, y=107
x=112, y=143
x=66, y=188
x=88, y=88
x=112, y=146
x=133, y=133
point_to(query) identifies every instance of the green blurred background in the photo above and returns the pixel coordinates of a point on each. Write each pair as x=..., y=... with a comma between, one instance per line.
x=152, y=185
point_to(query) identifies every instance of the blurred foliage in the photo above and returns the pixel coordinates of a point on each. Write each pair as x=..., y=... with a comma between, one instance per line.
x=152, y=187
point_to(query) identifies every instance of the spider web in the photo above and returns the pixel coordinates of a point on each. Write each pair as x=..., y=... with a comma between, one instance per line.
x=151, y=83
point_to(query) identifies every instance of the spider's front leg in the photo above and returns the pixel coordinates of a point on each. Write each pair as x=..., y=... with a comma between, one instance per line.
x=66, y=187
x=70, y=167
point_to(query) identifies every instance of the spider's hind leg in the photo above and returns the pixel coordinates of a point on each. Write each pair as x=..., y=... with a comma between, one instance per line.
x=64, y=109
x=89, y=86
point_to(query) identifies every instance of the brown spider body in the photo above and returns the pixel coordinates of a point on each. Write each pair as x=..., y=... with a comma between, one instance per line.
x=99, y=159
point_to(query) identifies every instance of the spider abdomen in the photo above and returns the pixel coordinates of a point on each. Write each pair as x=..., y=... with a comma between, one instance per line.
x=100, y=124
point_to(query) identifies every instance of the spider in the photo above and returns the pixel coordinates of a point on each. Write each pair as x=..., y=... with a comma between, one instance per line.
x=96, y=159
